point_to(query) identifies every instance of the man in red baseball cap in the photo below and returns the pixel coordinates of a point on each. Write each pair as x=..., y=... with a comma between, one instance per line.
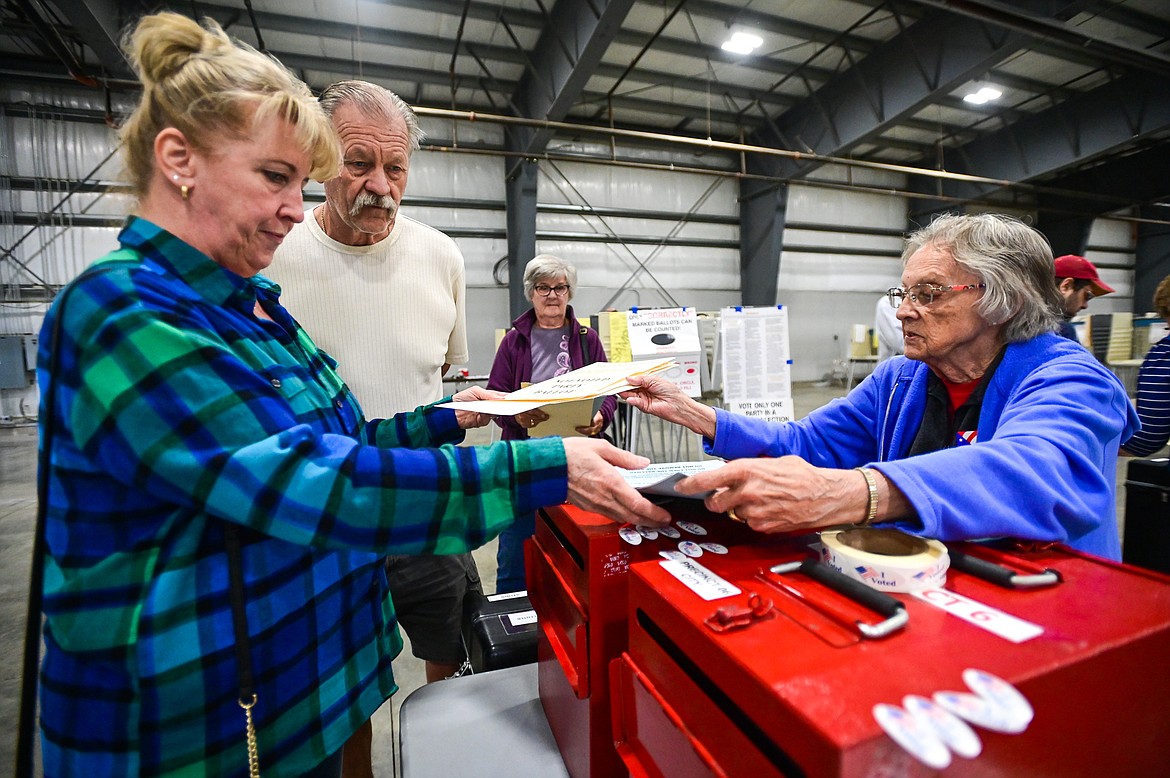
x=1077, y=279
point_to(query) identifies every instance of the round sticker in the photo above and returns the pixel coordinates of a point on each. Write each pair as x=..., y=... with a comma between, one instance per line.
x=650, y=533
x=669, y=532
x=913, y=735
x=691, y=527
x=953, y=731
x=673, y=556
x=690, y=548
x=714, y=548
x=1016, y=708
x=978, y=710
x=630, y=535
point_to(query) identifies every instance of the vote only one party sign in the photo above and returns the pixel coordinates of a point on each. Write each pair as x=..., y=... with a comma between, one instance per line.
x=657, y=332
x=757, y=365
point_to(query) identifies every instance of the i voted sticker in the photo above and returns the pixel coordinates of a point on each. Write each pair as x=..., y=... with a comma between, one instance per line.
x=1014, y=705
x=673, y=556
x=669, y=532
x=714, y=548
x=650, y=533
x=978, y=710
x=690, y=548
x=630, y=535
x=951, y=729
x=912, y=734
x=691, y=527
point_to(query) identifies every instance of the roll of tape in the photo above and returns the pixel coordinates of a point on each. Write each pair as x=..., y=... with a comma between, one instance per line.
x=900, y=567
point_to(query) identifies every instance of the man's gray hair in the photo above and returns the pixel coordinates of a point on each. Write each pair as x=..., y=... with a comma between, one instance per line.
x=546, y=267
x=1011, y=258
x=374, y=101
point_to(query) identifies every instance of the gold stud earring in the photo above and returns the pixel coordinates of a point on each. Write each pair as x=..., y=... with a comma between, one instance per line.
x=184, y=190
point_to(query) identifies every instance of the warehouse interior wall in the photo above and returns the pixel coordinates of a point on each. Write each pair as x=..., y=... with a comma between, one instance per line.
x=646, y=236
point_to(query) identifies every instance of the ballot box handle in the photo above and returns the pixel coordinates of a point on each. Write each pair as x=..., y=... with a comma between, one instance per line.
x=998, y=574
x=878, y=602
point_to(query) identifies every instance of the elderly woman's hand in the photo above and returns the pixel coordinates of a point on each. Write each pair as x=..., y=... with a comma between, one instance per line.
x=663, y=398
x=530, y=419
x=589, y=430
x=595, y=485
x=787, y=494
x=469, y=419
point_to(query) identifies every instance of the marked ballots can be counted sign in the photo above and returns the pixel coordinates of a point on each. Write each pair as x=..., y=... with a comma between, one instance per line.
x=657, y=332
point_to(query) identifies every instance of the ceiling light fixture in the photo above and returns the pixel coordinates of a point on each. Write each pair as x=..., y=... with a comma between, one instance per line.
x=984, y=94
x=742, y=43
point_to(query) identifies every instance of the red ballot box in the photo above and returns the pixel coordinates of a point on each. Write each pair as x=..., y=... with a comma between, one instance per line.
x=577, y=566
x=784, y=683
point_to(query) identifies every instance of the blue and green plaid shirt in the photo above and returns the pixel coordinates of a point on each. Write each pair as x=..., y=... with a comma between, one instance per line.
x=180, y=410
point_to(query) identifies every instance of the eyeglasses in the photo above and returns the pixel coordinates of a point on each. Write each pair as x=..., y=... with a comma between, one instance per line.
x=925, y=294
x=544, y=290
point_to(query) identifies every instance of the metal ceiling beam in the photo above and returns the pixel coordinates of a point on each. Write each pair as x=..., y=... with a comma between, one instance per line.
x=931, y=58
x=1139, y=176
x=566, y=56
x=1052, y=29
x=1152, y=262
x=568, y=52
x=1108, y=118
x=1130, y=18
x=99, y=24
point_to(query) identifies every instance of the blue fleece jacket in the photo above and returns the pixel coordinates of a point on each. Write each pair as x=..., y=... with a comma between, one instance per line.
x=1043, y=466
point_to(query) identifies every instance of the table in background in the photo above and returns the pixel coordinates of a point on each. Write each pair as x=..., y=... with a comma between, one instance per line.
x=460, y=380
x=488, y=724
x=870, y=361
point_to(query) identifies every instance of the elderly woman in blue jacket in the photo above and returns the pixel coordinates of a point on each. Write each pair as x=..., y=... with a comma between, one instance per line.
x=990, y=425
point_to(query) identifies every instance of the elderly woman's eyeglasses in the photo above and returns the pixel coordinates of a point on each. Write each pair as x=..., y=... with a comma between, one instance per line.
x=544, y=290
x=925, y=294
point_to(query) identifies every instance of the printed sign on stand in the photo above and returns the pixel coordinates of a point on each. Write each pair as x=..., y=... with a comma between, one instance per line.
x=756, y=362
x=657, y=332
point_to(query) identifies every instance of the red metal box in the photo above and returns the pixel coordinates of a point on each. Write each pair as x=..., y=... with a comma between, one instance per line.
x=793, y=692
x=577, y=567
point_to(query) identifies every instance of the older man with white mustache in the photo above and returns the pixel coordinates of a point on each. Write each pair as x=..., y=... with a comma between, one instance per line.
x=383, y=294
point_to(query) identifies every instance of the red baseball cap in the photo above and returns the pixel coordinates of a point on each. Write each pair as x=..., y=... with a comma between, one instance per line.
x=1072, y=266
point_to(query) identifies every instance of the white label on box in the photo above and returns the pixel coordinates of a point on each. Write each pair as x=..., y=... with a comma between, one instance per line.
x=523, y=617
x=994, y=621
x=507, y=596
x=699, y=579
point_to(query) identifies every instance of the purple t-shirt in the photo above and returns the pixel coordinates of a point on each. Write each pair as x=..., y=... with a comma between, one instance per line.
x=550, y=353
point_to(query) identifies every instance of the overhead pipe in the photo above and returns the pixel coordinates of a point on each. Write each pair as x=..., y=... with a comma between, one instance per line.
x=717, y=145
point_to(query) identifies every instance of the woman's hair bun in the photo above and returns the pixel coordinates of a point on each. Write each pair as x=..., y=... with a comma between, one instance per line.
x=161, y=44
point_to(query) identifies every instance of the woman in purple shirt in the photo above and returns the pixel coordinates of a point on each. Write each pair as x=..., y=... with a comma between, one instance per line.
x=545, y=341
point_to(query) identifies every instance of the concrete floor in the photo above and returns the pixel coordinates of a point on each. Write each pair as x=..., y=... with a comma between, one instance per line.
x=18, y=447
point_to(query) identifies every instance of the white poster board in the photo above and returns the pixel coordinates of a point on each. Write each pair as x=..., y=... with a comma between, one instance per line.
x=658, y=332
x=756, y=362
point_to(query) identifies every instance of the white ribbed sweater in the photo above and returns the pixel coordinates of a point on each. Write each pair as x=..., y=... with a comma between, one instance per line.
x=391, y=314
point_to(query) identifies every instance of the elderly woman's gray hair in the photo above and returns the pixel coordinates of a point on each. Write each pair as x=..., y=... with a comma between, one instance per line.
x=375, y=102
x=1011, y=258
x=547, y=268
